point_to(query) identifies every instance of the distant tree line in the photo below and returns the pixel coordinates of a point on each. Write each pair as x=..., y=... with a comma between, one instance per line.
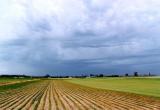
x=14, y=76
x=135, y=74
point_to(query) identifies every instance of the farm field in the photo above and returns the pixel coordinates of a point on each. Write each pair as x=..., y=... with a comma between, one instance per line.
x=141, y=85
x=8, y=81
x=63, y=95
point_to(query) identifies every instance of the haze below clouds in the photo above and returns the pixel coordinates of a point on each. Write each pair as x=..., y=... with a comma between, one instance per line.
x=66, y=37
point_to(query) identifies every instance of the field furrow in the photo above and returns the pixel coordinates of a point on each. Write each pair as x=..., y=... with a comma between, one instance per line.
x=62, y=95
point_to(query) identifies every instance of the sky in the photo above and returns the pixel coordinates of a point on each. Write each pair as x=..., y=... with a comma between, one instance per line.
x=74, y=37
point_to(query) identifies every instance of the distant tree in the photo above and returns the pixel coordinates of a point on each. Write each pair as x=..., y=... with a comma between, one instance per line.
x=149, y=74
x=136, y=74
x=113, y=75
x=126, y=75
x=91, y=75
x=47, y=76
x=100, y=75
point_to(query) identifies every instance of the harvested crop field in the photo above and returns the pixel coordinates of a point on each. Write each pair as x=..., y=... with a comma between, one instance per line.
x=5, y=81
x=9, y=83
x=62, y=95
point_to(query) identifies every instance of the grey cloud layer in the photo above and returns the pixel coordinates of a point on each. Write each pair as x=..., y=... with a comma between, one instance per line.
x=79, y=36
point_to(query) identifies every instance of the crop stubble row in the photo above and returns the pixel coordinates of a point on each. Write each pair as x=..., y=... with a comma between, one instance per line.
x=61, y=95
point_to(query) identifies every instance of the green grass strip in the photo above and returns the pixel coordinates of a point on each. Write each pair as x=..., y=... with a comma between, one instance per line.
x=16, y=85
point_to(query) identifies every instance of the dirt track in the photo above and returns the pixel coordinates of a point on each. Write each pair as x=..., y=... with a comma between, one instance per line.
x=61, y=95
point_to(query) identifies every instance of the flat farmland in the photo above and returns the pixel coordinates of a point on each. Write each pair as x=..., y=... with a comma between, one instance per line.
x=64, y=95
x=140, y=85
x=8, y=81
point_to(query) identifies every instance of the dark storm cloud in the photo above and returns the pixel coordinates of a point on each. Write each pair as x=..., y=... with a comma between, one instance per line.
x=79, y=37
